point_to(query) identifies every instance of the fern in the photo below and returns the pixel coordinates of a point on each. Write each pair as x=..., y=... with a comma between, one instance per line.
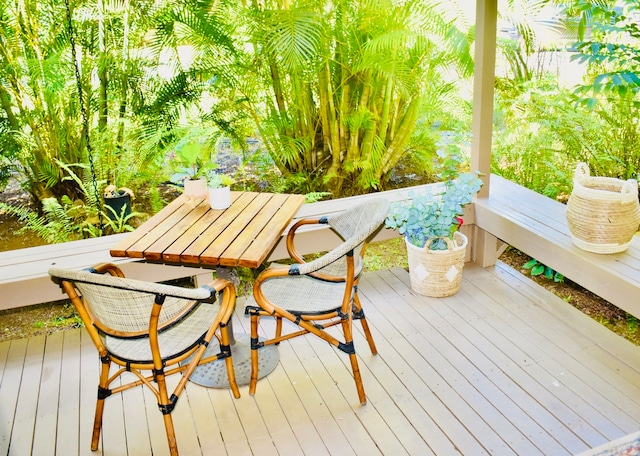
x=46, y=227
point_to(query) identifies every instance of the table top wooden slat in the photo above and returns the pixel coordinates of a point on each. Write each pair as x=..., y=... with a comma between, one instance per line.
x=264, y=241
x=193, y=253
x=158, y=230
x=235, y=233
x=155, y=251
x=190, y=233
x=120, y=249
x=173, y=252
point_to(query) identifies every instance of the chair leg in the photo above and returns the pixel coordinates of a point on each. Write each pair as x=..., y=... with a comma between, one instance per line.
x=171, y=434
x=358, y=313
x=254, y=354
x=166, y=406
x=347, y=326
x=358, y=378
x=103, y=393
x=224, y=332
x=278, y=328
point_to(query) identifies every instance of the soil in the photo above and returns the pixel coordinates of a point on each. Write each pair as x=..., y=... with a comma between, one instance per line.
x=590, y=304
x=49, y=317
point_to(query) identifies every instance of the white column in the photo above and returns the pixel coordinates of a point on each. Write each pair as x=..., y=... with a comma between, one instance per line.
x=483, y=84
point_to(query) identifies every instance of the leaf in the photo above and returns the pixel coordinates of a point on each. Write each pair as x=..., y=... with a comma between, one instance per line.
x=537, y=270
x=548, y=272
x=529, y=264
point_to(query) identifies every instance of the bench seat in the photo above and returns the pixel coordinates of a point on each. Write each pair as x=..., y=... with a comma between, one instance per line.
x=537, y=225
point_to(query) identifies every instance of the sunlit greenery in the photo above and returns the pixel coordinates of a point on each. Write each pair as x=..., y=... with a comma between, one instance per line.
x=340, y=97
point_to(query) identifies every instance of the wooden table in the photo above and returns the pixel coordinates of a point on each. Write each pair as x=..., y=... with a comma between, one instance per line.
x=188, y=232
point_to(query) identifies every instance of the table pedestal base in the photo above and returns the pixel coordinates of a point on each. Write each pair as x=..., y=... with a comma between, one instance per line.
x=214, y=374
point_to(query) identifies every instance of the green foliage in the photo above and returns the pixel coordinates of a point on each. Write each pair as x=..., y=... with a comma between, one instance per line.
x=614, y=47
x=194, y=155
x=546, y=132
x=118, y=222
x=315, y=196
x=218, y=180
x=66, y=219
x=336, y=88
x=536, y=268
x=386, y=255
x=435, y=213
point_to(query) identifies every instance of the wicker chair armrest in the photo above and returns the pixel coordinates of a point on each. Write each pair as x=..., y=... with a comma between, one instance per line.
x=291, y=248
x=333, y=255
x=110, y=268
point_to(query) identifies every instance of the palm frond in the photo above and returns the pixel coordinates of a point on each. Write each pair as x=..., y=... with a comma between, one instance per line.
x=295, y=36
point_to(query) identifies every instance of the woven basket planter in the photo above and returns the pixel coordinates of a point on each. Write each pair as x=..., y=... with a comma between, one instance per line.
x=437, y=273
x=602, y=212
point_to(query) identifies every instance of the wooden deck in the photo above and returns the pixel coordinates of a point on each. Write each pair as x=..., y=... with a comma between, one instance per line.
x=503, y=367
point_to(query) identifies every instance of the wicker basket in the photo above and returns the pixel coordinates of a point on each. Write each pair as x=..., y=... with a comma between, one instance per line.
x=437, y=273
x=603, y=212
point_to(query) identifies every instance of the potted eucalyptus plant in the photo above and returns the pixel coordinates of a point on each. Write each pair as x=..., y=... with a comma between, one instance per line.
x=430, y=223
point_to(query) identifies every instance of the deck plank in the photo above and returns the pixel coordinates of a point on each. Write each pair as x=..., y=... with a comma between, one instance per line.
x=89, y=374
x=462, y=376
x=523, y=330
x=204, y=418
x=10, y=390
x=427, y=414
x=44, y=437
x=362, y=426
x=503, y=367
x=539, y=401
x=26, y=407
x=429, y=365
x=67, y=433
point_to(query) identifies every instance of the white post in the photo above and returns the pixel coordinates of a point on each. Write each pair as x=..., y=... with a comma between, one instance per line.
x=483, y=84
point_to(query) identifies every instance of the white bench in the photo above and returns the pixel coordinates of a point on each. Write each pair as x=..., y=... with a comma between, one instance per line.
x=23, y=273
x=537, y=225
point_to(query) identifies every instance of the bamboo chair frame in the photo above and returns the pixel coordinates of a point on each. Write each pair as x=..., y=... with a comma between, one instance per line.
x=319, y=294
x=85, y=288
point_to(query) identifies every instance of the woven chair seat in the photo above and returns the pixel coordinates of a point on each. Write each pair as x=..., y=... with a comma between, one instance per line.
x=173, y=341
x=302, y=294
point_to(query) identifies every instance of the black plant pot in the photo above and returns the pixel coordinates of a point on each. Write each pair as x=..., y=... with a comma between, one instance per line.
x=117, y=203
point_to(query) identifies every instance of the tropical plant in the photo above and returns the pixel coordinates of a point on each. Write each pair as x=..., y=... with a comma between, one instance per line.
x=193, y=158
x=66, y=219
x=612, y=55
x=36, y=100
x=613, y=47
x=342, y=84
x=545, y=130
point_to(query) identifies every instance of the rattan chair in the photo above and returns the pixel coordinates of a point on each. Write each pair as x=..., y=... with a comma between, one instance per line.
x=143, y=326
x=321, y=293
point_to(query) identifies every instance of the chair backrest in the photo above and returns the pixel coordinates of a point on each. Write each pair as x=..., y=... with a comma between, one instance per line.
x=120, y=306
x=355, y=226
x=360, y=221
